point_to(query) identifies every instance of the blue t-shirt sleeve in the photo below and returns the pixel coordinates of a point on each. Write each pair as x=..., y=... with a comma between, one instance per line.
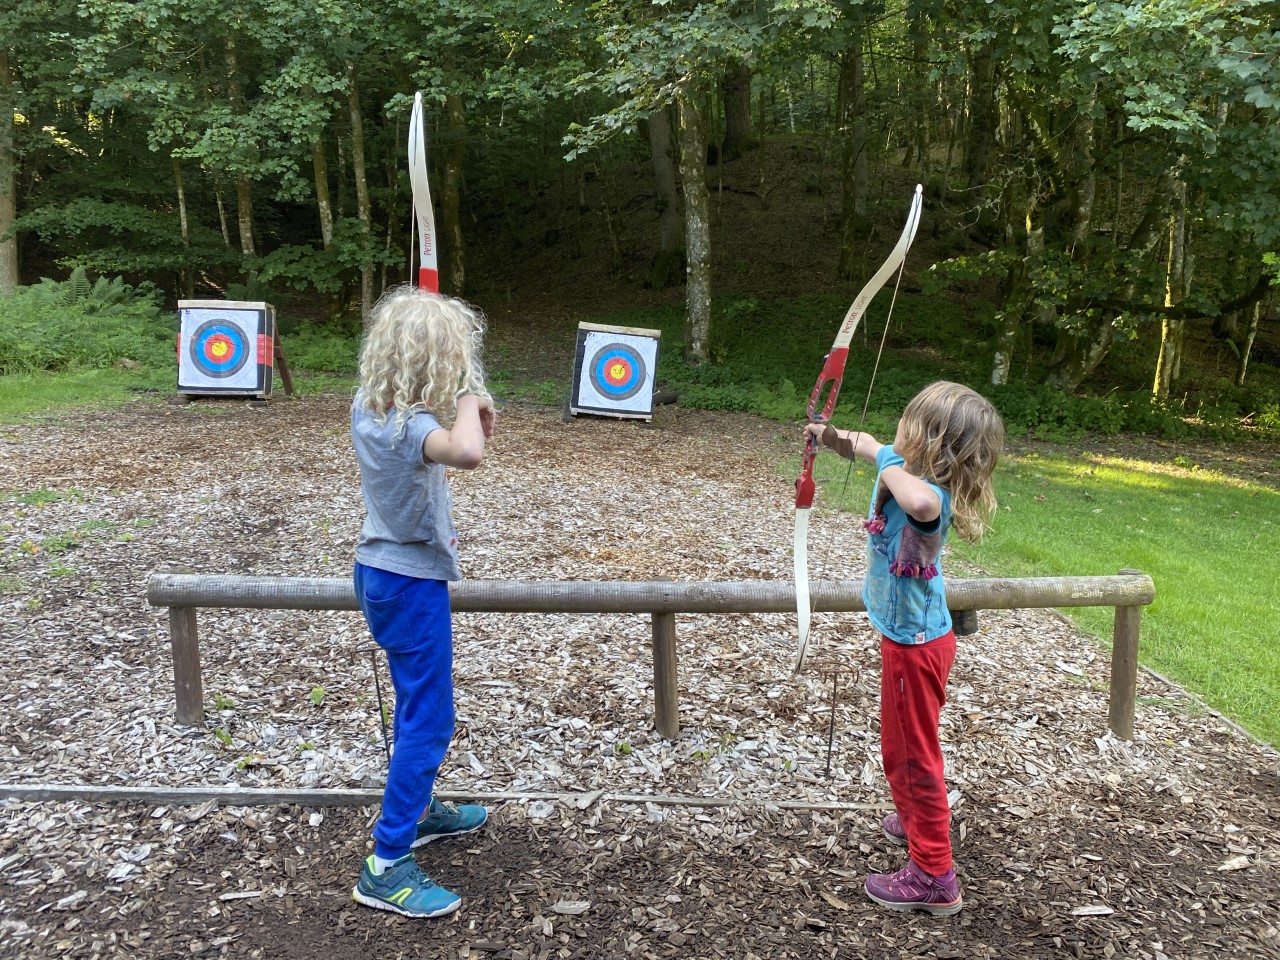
x=888, y=457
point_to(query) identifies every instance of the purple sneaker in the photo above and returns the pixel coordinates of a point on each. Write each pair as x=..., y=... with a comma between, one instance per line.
x=892, y=827
x=913, y=889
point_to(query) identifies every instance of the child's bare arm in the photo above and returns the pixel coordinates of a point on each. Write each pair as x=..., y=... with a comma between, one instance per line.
x=917, y=498
x=462, y=445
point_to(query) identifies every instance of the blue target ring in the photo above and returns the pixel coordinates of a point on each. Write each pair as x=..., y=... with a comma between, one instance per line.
x=617, y=371
x=219, y=349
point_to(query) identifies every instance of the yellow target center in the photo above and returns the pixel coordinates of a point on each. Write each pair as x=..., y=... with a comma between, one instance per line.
x=219, y=349
x=618, y=371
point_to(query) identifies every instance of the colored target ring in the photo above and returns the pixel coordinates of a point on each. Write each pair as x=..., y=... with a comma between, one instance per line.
x=617, y=371
x=219, y=349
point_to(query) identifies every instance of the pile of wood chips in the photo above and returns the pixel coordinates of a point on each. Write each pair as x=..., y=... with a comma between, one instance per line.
x=1069, y=843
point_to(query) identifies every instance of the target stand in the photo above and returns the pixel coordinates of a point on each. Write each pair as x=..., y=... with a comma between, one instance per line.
x=229, y=348
x=613, y=372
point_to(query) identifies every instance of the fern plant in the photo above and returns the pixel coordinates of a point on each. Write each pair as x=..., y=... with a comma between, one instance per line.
x=101, y=296
x=57, y=325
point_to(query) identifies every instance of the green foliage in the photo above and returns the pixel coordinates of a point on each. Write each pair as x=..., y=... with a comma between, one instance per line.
x=768, y=353
x=122, y=236
x=1050, y=414
x=74, y=323
x=320, y=350
x=310, y=267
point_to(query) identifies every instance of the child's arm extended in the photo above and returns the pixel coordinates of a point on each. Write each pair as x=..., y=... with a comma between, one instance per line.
x=913, y=495
x=462, y=445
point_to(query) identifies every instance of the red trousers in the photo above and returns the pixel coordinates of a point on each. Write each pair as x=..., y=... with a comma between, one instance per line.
x=913, y=688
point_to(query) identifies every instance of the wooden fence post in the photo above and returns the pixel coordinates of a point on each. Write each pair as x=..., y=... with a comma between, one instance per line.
x=187, y=686
x=1124, y=667
x=666, y=686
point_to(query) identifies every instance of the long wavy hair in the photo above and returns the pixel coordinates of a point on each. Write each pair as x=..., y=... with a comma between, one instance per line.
x=422, y=352
x=954, y=437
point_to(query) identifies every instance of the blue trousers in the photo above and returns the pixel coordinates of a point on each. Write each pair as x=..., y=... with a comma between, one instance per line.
x=409, y=619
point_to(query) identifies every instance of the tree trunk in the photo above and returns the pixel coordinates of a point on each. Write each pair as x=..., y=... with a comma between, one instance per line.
x=324, y=205
x=668, y=263
x=222, y=216
x=8, y=181
x=1170, y=328
x=1085, y=182
x=186, y=276
x=244, y=214
x=1246, y=346
x=611, y=230
x=853, y=157
x=919, y=119
x=364, y=209
x=451, y=207
x=735, y=91
x=244, y=187
x=1079, y=355
x=981, y=133
x=1008, y=325
x=697, y=215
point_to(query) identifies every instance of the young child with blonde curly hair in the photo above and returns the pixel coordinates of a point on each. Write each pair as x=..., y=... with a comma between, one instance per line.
x=422, y=406
x=934, y=477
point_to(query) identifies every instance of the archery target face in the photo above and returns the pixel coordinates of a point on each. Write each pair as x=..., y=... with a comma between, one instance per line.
x=224, y=349
x=219, y=349
x=617, y=372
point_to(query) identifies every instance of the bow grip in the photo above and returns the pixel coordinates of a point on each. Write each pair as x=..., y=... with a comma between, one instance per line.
x=805, y=488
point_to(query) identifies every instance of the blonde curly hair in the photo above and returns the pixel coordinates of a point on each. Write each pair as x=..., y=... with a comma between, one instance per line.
x=954, y=437
x=421, y=352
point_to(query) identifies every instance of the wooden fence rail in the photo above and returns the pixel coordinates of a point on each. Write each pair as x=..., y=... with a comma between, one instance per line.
x=184, y=593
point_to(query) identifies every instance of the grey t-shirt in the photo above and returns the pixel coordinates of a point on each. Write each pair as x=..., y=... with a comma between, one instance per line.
x=409, y=525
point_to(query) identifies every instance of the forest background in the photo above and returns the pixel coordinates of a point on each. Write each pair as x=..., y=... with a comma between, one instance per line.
x=1097, y=252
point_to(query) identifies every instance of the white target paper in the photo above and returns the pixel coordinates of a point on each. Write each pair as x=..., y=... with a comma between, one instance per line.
x=617, y=373
x=222, y=348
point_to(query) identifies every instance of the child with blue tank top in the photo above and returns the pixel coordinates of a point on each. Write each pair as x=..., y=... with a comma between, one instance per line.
x=934, y=477
x=422, y=407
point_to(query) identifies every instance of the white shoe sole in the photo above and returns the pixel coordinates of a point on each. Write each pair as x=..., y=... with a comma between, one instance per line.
x=936, y=909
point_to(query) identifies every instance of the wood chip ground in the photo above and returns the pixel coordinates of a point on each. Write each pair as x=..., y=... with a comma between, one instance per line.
x=1069, y=843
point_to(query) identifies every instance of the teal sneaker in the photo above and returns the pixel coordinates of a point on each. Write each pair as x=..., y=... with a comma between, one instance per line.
x=446, y=819
x=403, y=888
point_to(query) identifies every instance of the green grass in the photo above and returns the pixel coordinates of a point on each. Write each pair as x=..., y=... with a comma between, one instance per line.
x=26, y=395
x=1208, y=541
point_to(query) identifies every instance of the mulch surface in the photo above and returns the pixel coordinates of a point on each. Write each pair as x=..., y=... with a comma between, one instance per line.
x=1069, y=843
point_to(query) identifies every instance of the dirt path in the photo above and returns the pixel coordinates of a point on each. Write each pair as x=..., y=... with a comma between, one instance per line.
x=1069, y=843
